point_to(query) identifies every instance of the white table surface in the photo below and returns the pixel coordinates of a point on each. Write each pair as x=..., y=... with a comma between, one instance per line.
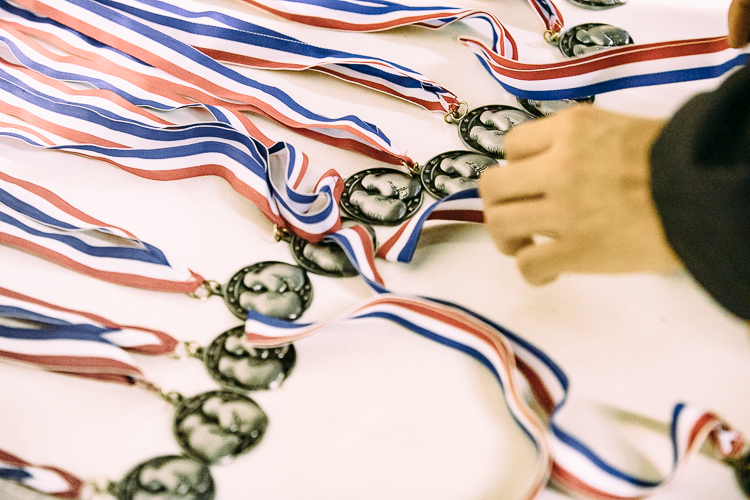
x=376, y=412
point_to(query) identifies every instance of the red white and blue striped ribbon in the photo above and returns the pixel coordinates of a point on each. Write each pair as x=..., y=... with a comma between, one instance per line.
x=233, y=40
x=149, y=45
x=612, y=69
x=605, y=71
x=380, y=15
x=100, y=127
x=49, y=480
x=569, y=462
x=53, y=338
x=464, y=206
x=36, y=220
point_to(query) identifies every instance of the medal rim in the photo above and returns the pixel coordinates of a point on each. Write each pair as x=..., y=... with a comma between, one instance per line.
x=211, y=359
x=192, y=404
x=565, y=38
x=232, y=298
x=350, y=184
x=124, y=486
x=425, y=174
x=470, y=119
x=537, y=113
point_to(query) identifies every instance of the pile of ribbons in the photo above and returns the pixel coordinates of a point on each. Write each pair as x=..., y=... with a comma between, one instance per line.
x=124, y=59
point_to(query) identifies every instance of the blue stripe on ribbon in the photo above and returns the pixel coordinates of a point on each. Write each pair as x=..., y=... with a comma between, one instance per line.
x=88, y=333
x=675, y=76
x=593, y=458
x=31, y=211
x=13, y=474
x=372, y=7
x=150, y=254
x=24, y=314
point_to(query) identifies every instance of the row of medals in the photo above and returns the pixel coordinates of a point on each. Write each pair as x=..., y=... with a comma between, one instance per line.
x=217, y=426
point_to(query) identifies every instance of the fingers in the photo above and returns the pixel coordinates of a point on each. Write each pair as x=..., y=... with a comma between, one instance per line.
x=541, y=264
x=513, y=225
x=517, y=180
x=530, y=138
x=739, y=23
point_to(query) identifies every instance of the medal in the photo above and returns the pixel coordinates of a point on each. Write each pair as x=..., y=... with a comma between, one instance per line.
x=592, y=37
x=381, y=196
x=217, y=426
x=549, y=108
x=324, y=258
x=236, y=365
x=597, y=4
x=169, y=476
x=454, y=171
x=272, y=288
x=483, y=129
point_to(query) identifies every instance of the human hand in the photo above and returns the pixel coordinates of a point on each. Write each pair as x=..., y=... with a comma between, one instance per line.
x=739, y=23
x=581, y=178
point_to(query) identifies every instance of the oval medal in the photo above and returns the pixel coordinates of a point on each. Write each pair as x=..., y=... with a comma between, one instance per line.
x=454, y=171
x=237, y=365
x=272, y=288
x=592, y=37
x=381, y=196
x=483, y=129
x=170, y=476
x=217, y=426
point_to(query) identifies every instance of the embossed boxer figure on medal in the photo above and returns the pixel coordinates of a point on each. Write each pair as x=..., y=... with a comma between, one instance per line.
x=167, y=478
x=217, y=426
x=549, y=108
x=237, y=365
x=592, y=37
x=454, y=171
x=483, y=129
x=381, y=196
x=272, y=288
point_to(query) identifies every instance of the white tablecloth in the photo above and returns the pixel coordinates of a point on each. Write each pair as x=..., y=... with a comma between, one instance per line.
x=376, y=412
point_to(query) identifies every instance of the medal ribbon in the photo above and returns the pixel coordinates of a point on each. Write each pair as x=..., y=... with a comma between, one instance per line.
x=38, y=221
x=114, y=131
x=45, y=336
x=564, y=458
x=604, y=71
x=233, y=40
x=45, y=479
x=149, y=45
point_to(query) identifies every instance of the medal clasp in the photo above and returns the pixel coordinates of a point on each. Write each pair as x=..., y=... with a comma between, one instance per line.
x=457, y=113
x=552, y=37
x=206, y=290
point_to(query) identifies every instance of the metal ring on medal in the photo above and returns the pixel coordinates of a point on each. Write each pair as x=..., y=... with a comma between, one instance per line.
x=167, y=477
x=597, y=4
x=237, y=365
x=272, y=288
x=549, y=108
x=217, y=426
x=326, y=258
x=483, y=129
x=381, y=196
x=454, y=171
x=592, y=37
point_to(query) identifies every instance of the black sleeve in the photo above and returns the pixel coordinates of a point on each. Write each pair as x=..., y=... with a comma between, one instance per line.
x=700, y=180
